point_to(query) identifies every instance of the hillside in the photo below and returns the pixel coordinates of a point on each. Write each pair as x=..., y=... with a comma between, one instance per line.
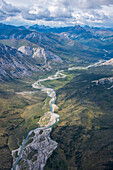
x=84, y=132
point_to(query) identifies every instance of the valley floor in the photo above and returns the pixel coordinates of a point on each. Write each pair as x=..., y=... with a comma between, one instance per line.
x=84, y=132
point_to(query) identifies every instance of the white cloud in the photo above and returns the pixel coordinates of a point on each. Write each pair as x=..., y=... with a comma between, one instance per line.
x=59, y=12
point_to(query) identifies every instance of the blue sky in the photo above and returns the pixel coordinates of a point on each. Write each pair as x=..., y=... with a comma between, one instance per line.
x=57, y=12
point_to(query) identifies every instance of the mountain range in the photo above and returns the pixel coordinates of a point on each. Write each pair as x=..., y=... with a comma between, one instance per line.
x=42, y=47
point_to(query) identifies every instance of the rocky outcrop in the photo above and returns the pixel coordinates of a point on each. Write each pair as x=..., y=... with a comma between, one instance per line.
x=109, y=62
x=40, y=54
x=103, y=80
x=108, y=81
x=27, y=50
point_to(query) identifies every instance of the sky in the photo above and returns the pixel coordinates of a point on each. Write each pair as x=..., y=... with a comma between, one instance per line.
x=57, y=12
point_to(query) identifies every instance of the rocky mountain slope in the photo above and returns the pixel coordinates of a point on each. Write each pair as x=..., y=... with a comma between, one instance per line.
x=25, y=61
x=15, y=64
x=40, y=54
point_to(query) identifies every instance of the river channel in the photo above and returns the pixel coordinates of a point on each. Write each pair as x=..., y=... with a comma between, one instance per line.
x=55, y=117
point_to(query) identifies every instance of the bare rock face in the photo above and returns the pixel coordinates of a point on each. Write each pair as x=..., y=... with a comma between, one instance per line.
x=41, y=54
x=26, y=50
x=46, y=55
x=109, y=62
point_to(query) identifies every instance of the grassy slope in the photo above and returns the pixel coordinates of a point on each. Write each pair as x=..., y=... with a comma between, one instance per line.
x=85, y=131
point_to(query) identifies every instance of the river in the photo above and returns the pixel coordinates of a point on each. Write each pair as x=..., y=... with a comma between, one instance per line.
x=44, y=147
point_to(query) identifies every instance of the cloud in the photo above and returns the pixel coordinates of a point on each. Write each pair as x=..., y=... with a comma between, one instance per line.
x=59, y=12
x=36, y=13
x=7, y=10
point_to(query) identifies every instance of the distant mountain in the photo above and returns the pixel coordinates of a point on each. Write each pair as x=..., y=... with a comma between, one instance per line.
x=101, y=32
x=90, y=36
x=73, y=31
x=40, y=28
x=19, y=33
x=69, y=43
x=13, y=32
